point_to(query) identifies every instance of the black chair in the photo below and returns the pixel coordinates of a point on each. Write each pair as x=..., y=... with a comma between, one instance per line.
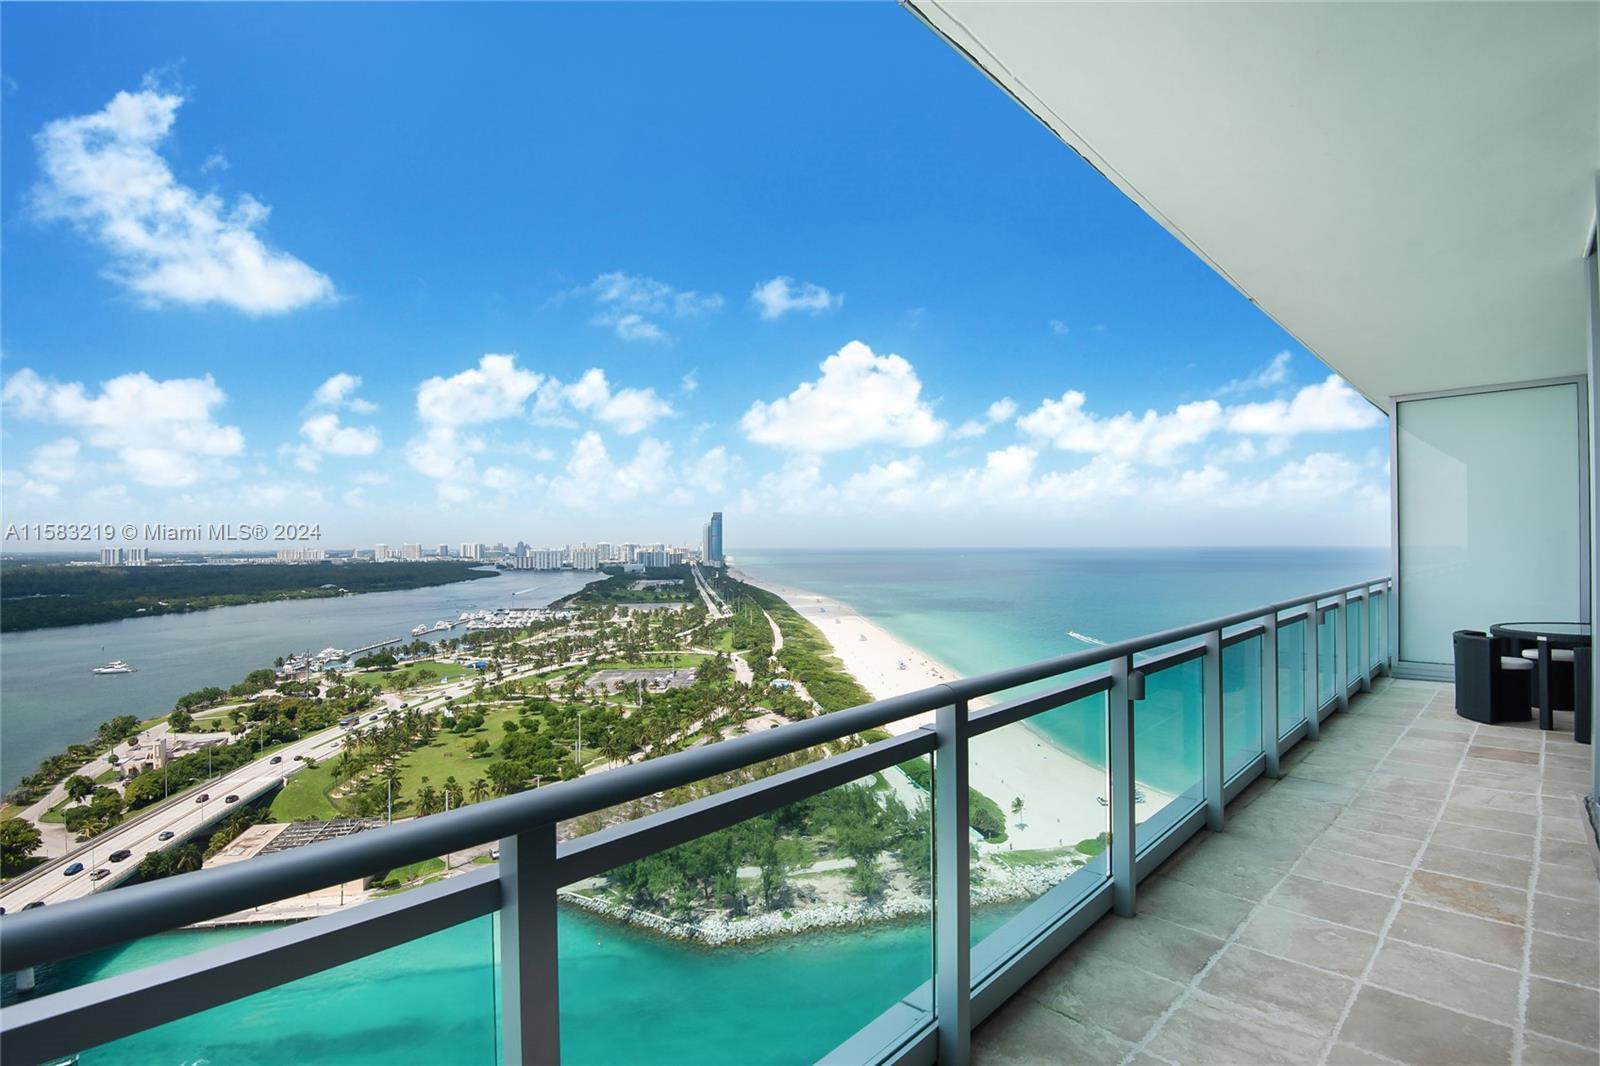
x=1492, y=684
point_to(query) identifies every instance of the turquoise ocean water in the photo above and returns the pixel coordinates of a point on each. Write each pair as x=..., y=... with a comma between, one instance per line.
x=633, y=998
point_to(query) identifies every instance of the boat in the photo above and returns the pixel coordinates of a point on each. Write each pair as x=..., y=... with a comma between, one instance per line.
x=440, y=626
x=419, y=630
x=115, y=666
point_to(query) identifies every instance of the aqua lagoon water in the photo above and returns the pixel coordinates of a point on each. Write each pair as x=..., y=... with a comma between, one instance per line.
x=629, y=997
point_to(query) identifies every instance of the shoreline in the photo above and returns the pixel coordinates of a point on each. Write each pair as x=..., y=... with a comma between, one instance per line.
x=1058, y=787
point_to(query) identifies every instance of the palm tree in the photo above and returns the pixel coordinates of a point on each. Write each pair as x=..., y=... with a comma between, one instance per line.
x=479, y=790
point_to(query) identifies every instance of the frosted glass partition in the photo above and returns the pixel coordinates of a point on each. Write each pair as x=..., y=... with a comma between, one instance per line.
x=1489, y=509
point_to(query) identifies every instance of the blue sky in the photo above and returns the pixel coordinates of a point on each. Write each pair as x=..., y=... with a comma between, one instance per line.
x=587, y=272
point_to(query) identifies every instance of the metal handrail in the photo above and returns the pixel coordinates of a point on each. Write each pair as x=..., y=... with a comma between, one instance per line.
x=88, y=924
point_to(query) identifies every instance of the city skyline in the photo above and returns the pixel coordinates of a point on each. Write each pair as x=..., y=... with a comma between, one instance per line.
x=634, y=337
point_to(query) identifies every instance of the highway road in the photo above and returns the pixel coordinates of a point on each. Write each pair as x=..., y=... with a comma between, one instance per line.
x=185, y=814
x=182, y=816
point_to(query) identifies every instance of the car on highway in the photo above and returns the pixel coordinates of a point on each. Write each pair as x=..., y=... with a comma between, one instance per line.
x=375, y=717
x=202, y=797
x=35, y=903
x=100, y=874
x=120, y=854
x=275, y=760
x=165, y=834
x=75, y=868
x=231, y=799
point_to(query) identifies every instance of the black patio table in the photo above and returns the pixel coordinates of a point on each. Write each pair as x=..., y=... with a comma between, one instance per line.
x=1546, y=636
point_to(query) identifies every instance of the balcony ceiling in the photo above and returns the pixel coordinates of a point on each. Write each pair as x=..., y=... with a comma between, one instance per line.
x=1407, y=188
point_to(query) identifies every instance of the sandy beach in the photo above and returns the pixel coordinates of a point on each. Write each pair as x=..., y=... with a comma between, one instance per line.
x=1060, y=792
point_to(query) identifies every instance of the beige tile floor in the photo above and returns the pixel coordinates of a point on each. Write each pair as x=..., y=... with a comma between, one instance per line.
x=1415, y=889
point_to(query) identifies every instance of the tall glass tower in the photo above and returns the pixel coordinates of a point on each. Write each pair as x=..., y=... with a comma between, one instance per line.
x=713, y=547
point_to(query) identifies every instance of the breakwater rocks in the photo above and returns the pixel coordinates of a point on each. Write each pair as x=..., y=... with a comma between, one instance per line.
x=1002, y=885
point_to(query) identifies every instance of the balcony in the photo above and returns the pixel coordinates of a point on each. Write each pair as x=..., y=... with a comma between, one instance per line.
x=1415, y=889
x=1383, y=879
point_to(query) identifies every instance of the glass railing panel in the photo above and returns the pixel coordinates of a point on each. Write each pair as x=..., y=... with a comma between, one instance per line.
x=1241, y=705
x=771, y=941
x=433, y=999
x=1327, y=657
x=1353, y=636
x=1045, y=781
x=1291, y=676
x=1375, y=608
x=1168, y=749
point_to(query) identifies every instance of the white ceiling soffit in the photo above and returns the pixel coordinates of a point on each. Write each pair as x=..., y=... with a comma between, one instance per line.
x=1407, y=188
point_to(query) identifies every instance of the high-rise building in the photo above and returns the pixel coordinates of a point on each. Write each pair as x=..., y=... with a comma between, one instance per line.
x=711, y=545
x=585, y=559
x=135, y=556
x=411, y=552
x=110, y=556
x=380, y=552
x=471, y=551
x=444, y=551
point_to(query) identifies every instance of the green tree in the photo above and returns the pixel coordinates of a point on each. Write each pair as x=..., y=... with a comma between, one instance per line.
x=19, y=839
x=79, y=787
x=479, y=790
x=507, y=778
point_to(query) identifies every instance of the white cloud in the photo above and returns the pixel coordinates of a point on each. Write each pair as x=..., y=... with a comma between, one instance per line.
x=783, y=294
x=168, y=244
x=214, y=161
x=690, y=382
x=339, y=391
x=1270, y=376
x=495, y=389
x=628, y=411
x=1002, y=410
x=710, y=471
x=893, y=482
x=56, y=460
x=1150, y=438
x=1329, y=406
x=1059, y=328
x=593, y=477
x=324, y=433
x=630, y=304
x=861, y=398
x=162, y=432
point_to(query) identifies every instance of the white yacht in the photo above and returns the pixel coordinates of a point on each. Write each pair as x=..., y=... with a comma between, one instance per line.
x=417, y=631
x=115, y=666
x=440, y=626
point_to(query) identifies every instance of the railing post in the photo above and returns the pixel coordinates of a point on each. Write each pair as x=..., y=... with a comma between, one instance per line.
x=1270, y=730
x=1341, y=653
x=1313, y=694
x=530, y=1004
x=1211, y=708
x=952, y=901
x=1364, y=640
x=1386, y=647
x=1127, y=685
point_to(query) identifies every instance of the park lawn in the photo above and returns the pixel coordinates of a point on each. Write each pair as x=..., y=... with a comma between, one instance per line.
x=724, y=641
x=441, y=671
x=413, y=870
x=1033, y=856
x=446, y=756
x=305, y=795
